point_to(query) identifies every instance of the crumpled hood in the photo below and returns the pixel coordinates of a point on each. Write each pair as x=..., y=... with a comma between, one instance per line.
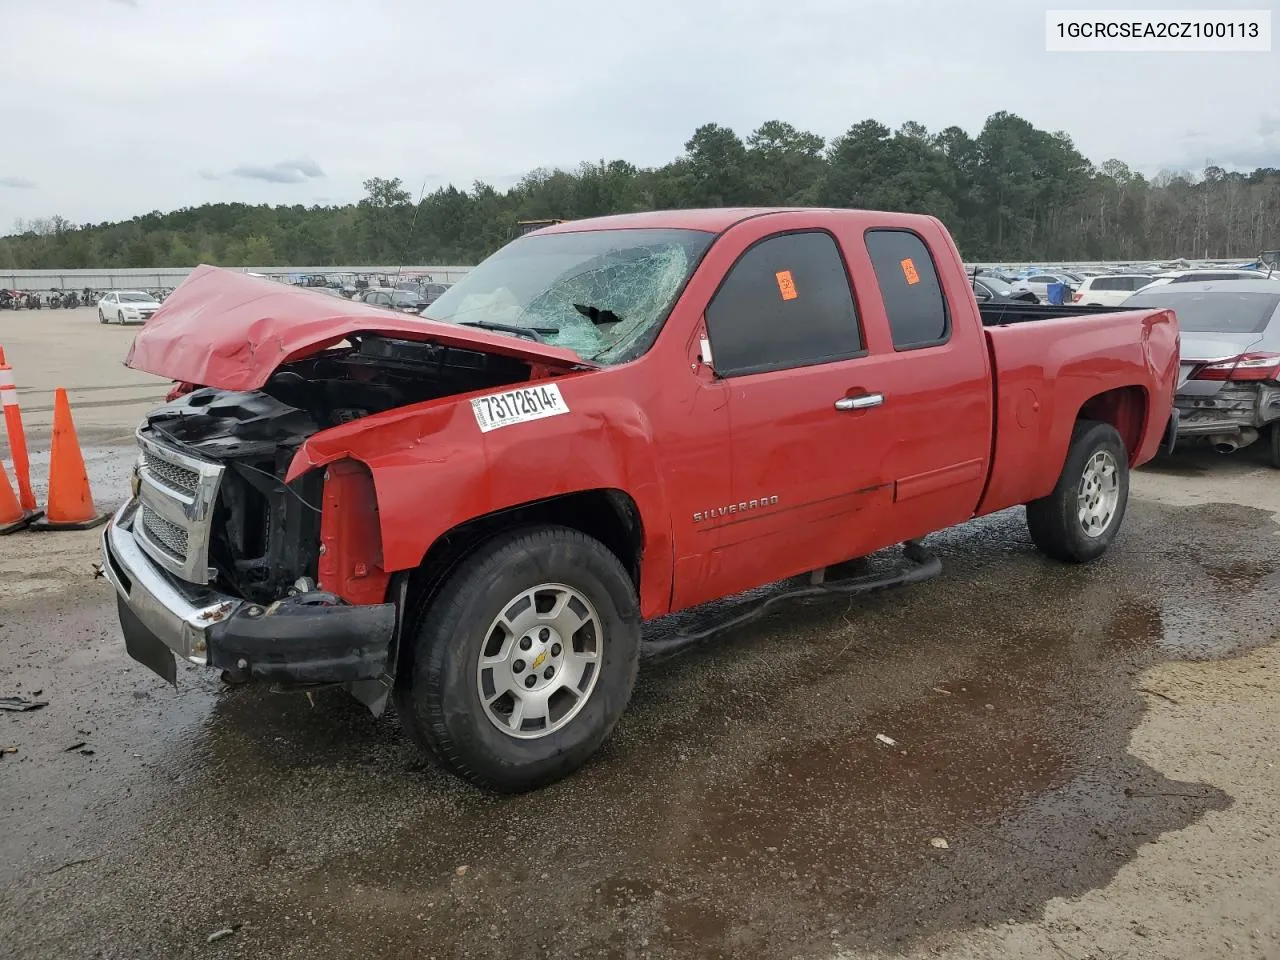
x=226, y=329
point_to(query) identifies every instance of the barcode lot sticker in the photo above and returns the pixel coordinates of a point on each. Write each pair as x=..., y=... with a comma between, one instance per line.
x=518, y=406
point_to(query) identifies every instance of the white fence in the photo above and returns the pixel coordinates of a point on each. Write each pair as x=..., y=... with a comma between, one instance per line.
x=159, y=277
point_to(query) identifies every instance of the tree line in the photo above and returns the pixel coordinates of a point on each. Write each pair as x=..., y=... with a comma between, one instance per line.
x=1013, y=192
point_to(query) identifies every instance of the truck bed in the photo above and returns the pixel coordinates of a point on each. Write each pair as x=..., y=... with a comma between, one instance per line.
x=1003, y=314
x=1045, y=375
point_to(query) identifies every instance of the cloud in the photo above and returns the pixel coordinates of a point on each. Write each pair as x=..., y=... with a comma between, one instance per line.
x=207, y=175
x=286, y=171
x=1268, y=124
x=127, y=3
x=18, y=183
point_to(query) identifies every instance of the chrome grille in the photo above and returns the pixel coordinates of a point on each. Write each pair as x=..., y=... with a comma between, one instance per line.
x=171, y=475
x=176, y=494
x=165, y=534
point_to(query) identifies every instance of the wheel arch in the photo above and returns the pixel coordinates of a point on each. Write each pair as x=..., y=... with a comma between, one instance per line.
x=606, y=514
x=1125, y=409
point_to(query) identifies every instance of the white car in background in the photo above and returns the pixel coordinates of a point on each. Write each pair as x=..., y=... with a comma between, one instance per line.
x=1204, y=276
x=1038, y=283
x=1110, y=291
x=127, y=306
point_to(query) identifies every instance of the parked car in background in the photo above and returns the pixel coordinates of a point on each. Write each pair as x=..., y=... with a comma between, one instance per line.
x=1205, y=276
x=428, y=291
x=1229, y=374
x=1109, y=291
x=987, y=288
x=431, y=292
x=1003, y=276
x=1039, y=283
x=127, y=306
x=406, y=301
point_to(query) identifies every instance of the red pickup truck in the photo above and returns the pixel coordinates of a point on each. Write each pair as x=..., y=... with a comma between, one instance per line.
x=473, y=511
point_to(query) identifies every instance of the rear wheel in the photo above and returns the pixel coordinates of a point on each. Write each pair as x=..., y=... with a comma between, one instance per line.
x=524, y=661
x=1274, y=445
x=1078, y=521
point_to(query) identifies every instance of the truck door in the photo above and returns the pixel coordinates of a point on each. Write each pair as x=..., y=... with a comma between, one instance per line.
x=809, y=428
x=937, y=366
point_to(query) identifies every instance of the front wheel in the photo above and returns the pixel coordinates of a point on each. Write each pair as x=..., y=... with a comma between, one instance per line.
x=524, y=661
x=102, y=317
x=1078, y=521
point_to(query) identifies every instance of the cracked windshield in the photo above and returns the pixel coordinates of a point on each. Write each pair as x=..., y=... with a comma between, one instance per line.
x=603, y=294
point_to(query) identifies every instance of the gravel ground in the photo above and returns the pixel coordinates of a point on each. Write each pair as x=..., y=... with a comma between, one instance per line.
x=1083, y=765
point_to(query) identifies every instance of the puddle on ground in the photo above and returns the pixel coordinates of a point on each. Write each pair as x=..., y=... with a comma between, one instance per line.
x=744, y=807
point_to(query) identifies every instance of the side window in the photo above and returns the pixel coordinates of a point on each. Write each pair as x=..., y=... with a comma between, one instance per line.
x=785, y=303
x=908, y=282
x=1107, y=283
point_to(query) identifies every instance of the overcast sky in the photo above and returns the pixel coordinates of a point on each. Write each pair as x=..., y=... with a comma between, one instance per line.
x=110, y=108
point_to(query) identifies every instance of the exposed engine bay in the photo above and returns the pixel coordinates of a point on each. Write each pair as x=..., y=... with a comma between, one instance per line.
x=266, y=534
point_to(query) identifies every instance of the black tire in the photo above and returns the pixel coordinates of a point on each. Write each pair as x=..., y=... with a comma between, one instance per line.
x=102, y=317
x=1273, y=434
x=440, y=706
x=1053, y=521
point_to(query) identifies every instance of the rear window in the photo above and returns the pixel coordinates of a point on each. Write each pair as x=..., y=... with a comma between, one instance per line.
x=1218, y=311
x=908, y=282
x=1202, y=277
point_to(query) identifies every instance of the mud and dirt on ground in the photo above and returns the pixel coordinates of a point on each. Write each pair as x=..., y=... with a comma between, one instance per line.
x=1083, y=764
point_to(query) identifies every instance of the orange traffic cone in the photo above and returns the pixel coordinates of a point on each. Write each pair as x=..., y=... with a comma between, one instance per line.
x=70, y=505
x=12, y=517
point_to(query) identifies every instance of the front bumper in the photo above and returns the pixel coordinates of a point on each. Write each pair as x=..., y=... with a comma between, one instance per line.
x=309, y=639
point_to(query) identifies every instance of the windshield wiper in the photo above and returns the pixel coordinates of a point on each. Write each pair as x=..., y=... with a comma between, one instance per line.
x=537, y=334
x=596, y=315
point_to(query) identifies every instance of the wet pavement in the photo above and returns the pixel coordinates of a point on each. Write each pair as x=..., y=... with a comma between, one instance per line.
x=743, y=808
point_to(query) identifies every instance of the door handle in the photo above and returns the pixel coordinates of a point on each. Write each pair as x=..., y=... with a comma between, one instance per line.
x=864, y=402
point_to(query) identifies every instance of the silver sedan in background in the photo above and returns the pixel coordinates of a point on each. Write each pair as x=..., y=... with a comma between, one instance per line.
x=1229, y=374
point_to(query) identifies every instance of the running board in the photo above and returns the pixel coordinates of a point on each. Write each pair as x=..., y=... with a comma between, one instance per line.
x=922, y=565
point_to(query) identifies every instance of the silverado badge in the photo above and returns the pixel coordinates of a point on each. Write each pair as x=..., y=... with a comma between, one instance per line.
x=741, y=506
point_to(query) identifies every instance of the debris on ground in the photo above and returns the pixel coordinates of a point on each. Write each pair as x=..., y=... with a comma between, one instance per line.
x=78, y=745
x=887, y=741
x=461, y=871
x=19, y=704
x=4, y=750
x=938, y=843
x=221, y=934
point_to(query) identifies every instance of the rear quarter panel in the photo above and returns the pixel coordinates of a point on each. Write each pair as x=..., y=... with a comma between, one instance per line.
x=1046, y=372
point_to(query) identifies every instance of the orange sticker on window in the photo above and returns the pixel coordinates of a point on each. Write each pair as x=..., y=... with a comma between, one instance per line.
x=909, y=271
x=786, y=286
